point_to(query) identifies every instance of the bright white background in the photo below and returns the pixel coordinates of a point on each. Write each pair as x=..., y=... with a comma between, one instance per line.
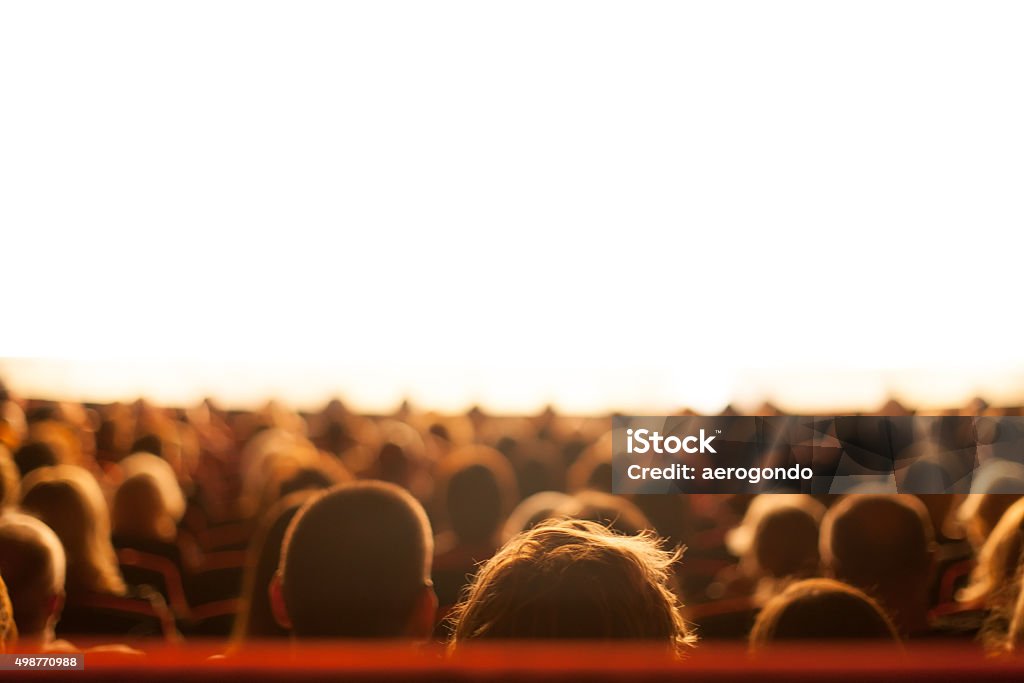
x=634, y=205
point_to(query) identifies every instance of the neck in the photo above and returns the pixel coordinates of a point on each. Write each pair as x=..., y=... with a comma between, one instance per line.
x=908, y=612
x=37, y=639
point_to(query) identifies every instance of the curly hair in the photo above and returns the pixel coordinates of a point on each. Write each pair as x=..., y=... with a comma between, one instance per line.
x=574, y=579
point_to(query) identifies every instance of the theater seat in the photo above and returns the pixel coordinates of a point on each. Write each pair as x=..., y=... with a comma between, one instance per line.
x=804, y=663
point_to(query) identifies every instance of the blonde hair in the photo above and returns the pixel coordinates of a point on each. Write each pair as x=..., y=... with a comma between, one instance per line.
x=998, y=558
x=10, y=479
x=1015, y=634
x=8, y=630
x=574, y=579
x=68, y=499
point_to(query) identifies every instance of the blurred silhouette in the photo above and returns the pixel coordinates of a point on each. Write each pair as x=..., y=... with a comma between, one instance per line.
x=820, y=609
x=256, y=618
x=32, y=456
x=8, y=630
x=10, y=479
x=533, y=510
x=32, y=562
x=69, y=501
x=884, y=545
x=477, y=487
x=999, y=561
x=614, y=512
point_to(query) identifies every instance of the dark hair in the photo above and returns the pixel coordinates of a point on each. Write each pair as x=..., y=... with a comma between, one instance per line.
x=34, y=455
x=821, y=609
x=354, y=562
x=305, y=479
x=786, y=543
x=478, y=490
x=256, y=619
x=877, y=540
x=148, y=443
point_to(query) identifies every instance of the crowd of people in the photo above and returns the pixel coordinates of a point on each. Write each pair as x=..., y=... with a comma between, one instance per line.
x=129, y=524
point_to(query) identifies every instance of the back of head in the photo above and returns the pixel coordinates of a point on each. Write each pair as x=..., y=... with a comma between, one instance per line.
x=995, y=486
x=820, y=609
x=778, y=537
x=32, y=563
x=593, y=468
x=979, y=513
x=162, y=475
x=786, y=543
x=878, y=541
x=573, y=580
x=609, y=510
x=533, y=510
x=355, y=561
x=34, y=455
x=68, y=500
x=479, y=488
x=139, y=511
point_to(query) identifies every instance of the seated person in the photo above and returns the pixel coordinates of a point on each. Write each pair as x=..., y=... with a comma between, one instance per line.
x=615, y=512
x=778, y=540
x=477, y=489
x=68, y=500
x=776, y=543
x=532, y=511
x=574, y=579
x=146, y=510
x=820, y=609
x=356, y=564
x=884, y=545
x=998, y=562
x=255, y=619
x=32, y=562
x=147, y=506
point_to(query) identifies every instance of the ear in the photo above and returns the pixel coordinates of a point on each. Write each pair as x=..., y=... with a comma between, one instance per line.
x=277, y=606
x=933, y=559
x=421, y=621
x=55, y=605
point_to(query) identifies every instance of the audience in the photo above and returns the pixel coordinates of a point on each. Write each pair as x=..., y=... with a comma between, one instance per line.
x=322, y=525
x=68, y=500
